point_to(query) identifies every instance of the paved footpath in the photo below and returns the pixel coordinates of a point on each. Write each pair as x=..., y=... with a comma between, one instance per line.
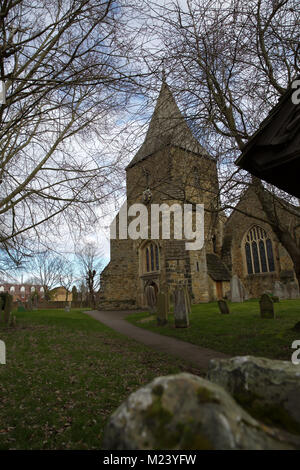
x=191, y=353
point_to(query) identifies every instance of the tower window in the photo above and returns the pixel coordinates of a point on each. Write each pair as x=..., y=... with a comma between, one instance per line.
x=259, y=251
x=151, y=257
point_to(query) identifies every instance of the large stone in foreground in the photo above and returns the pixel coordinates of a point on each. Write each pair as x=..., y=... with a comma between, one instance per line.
x=185, y=412
x=269, y=389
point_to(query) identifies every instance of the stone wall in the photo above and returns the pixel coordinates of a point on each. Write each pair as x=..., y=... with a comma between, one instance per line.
x=233, y=252
x=170, y=174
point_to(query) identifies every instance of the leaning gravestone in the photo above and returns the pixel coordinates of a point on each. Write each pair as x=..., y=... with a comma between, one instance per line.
x=150, y=298
x=279, y=290
x=223, y=306
x=181, y=308
x=188, y=299
x=236, y=289
x=162, y=309
x=292, y=290
x=8, y=308
x=6, y=304
x=266, y=306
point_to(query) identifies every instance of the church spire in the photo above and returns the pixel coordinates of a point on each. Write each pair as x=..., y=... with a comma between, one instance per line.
x=167, y=128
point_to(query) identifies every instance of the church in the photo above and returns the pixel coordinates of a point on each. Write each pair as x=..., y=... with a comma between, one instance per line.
x=171, y=167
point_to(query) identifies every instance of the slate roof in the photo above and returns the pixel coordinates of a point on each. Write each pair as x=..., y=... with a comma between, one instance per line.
x=273, y=152
x=216, y=268
x=167, y=127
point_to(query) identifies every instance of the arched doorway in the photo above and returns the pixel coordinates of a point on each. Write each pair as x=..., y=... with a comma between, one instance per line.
x=153, y=284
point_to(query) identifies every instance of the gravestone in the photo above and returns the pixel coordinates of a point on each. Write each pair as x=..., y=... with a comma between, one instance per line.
x=7, y=308
x=266, y=306
x=162, y=309
x=21, y=307
x=296, y=327
x=188, y=299
x=181, y=308
x=223, y=306
x=6, y=302
x=150, y=298
x=292, y=289
x=237, y=291
x=279, y=290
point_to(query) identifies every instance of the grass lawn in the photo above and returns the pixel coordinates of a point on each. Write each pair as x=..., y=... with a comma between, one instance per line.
x=242, y=332
x=65, y=374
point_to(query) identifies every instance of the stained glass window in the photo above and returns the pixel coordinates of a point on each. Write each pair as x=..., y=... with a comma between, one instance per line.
x=255, y=257
x=262, y=252
x=152, y=257
x=248, y=258
x=259, y=251
x=270, y=255
x=156, y=257
x=147, y=260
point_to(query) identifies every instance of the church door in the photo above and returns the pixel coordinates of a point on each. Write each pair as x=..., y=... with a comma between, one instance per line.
x=219, y=290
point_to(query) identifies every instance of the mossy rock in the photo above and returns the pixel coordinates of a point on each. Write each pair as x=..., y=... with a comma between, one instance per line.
x=186, y=412
x=268, y=389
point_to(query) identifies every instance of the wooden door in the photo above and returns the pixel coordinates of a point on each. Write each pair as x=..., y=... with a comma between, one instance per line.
x=219, y=290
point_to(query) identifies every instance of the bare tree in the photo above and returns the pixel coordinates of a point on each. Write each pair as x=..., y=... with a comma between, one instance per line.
x=67, y=275
x=229, y=63
x=66, y=74
x=90, y=259
x=45, y=269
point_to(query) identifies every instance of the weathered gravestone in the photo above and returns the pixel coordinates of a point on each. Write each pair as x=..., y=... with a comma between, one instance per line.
x=279, y=290
x=292, y=289
x=237, y=290
x=266, y=306
x=296, y=327
x=150, y=298
x=181, y=308
x=223, y=306
x=188, y=299
x=162, y=309
x=21, y=307
x=68, y=307
x=29, y=304
x=5, y=307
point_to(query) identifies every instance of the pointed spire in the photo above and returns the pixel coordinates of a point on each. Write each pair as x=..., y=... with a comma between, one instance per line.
x=167, y=127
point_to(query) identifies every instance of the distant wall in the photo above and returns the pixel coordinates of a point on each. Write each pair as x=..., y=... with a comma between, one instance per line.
x=53, y=305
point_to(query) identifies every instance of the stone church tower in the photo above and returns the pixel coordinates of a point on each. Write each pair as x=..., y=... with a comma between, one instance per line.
x=170, y=167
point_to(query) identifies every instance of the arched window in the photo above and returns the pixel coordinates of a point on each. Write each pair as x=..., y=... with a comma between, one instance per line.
x=22, y=291
x=12, y=289
x=151, y=257
x=259, y=251
x=1, y=289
